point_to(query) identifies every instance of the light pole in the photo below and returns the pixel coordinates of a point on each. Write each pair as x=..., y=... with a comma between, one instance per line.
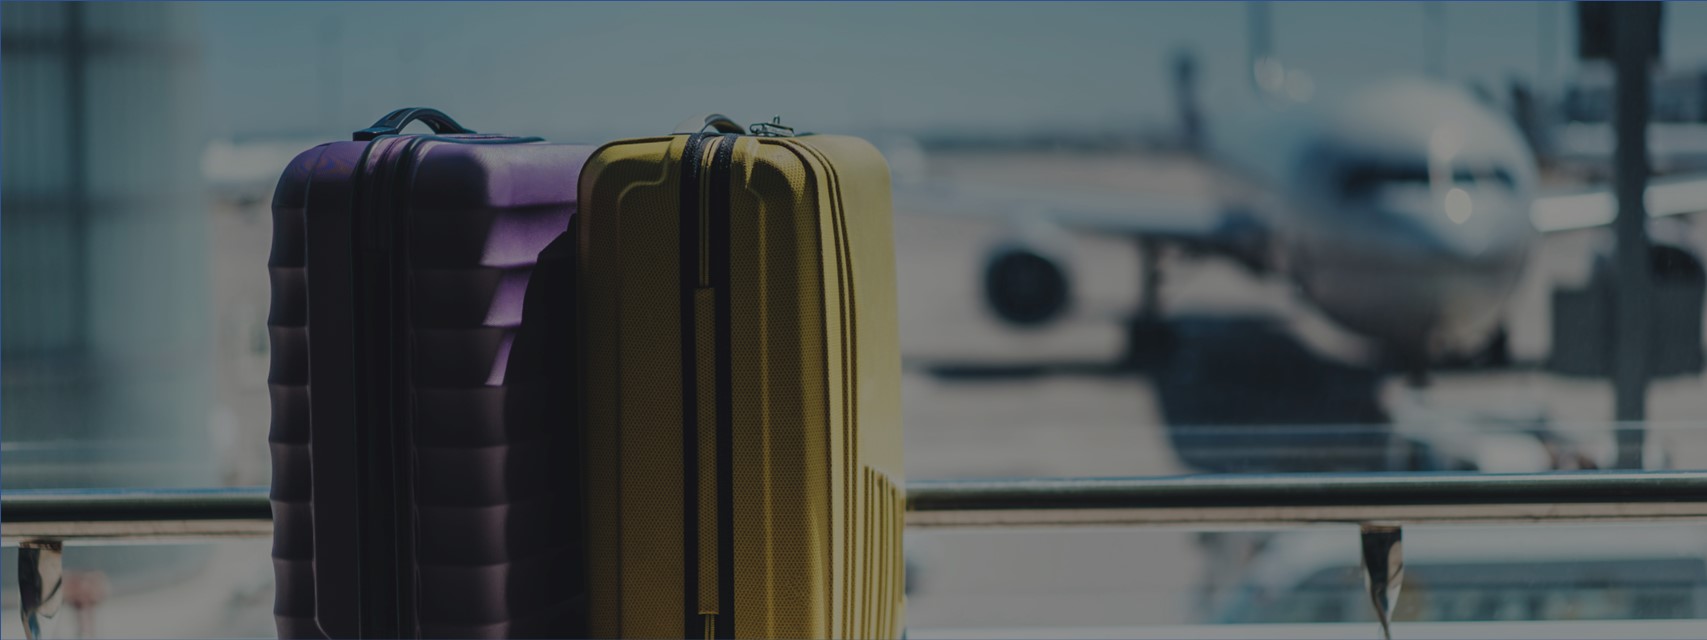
x=1635, y=31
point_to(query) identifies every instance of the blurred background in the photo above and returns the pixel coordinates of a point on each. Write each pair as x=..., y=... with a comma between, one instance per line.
x=1133, y=239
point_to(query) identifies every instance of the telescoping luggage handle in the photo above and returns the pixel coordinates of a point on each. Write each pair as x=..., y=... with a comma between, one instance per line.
x=393, y=123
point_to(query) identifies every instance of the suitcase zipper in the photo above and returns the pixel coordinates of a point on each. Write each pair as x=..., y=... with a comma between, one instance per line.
x=705, y=408
x=386, y=583
x=691, y=251
x=708, y=545
x=383, y=533
x=718, y=229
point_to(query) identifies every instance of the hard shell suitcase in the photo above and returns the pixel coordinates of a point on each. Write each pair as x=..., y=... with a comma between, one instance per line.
x=420, y=389
x=741, y=393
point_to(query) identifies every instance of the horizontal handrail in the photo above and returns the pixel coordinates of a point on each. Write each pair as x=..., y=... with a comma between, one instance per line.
x=1268, y=501
x=1283, y=500
x=107, y=516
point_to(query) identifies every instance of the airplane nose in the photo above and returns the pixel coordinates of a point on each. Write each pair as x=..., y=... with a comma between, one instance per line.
x=1425, y=266
x=1478, y=239
x=1463, y=223
x=1459, y=207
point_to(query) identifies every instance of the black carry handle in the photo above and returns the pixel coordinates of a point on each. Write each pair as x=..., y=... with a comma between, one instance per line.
x=718, y=121
x=393, y=123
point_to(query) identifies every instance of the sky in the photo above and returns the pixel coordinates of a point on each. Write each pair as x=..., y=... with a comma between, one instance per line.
x=608, y=69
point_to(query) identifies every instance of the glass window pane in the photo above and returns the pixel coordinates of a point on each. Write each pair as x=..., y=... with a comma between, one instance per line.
x=1143, y=239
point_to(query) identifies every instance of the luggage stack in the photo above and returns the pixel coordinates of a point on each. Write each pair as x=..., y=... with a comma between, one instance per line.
x=674, y=415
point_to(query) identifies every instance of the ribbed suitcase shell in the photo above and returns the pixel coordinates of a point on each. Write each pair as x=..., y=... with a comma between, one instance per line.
x=813, y=376
x=488, y=531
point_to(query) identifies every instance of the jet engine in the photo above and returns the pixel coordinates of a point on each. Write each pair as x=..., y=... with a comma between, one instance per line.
x=1026, y=284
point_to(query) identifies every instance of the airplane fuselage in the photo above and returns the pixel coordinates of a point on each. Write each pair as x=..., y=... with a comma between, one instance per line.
x=1401, y=213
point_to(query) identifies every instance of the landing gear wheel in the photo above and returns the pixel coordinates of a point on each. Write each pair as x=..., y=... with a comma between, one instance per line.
x=1149, y=341
x=1497, y=351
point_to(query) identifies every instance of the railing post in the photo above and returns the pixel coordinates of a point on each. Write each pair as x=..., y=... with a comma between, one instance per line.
x=1383, y=570
x=41, y=573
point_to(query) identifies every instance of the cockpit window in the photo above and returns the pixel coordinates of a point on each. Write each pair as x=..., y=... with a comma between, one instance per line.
x=1494, y=175
x=1363, y=179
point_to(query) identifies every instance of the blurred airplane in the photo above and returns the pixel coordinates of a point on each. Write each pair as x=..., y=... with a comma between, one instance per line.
x=1404, y=212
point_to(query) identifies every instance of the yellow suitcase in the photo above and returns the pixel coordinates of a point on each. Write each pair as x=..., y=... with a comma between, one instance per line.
x=741, y=394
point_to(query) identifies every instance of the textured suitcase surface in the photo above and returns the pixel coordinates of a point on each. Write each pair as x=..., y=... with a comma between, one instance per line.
x=419, y=412
x=741, y=395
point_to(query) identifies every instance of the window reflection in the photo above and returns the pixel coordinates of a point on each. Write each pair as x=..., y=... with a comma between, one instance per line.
x=106, y=349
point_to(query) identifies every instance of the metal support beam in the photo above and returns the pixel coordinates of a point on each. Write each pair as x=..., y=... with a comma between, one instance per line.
x=77, y=169
x=41, y=581
x=1633, y=36
x=1383, y=571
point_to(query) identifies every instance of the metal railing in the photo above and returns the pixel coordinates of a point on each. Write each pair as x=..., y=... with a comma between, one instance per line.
x=90, y=516
x=1286, y=500
x=107, y=516
x=40, y=522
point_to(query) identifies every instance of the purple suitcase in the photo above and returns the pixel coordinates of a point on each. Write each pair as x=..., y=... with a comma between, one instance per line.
x=421, y=446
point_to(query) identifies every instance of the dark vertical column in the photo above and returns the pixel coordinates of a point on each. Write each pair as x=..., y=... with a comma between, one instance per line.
x=1634, y=30
x=77, y=170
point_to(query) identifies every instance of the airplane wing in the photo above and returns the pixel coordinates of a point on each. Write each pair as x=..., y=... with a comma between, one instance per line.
x=1584, y=209
x=1141, y=215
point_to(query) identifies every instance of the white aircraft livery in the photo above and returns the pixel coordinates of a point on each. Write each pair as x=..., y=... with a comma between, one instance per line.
x=1405, y=212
